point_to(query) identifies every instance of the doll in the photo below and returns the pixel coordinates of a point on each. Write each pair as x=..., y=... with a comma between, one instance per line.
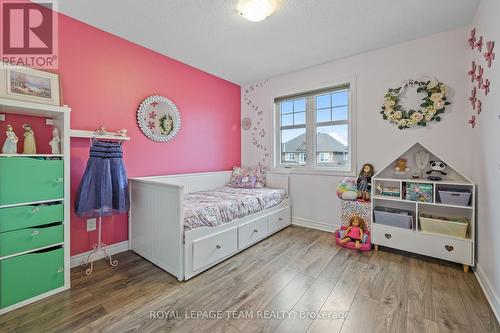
x=29, y=140
x=55, y=143
x=364, y=181
x=354, y=232
x=10, y=145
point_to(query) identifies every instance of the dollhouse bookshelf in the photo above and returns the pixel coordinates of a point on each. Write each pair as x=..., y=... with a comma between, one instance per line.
x=36, y=260
x=439, y=245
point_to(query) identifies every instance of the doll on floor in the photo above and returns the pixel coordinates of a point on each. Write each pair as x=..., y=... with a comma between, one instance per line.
x=355, y=232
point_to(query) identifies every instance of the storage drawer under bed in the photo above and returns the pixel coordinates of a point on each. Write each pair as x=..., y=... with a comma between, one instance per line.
x=252, y=232
x=213, y=248
x=279, y=220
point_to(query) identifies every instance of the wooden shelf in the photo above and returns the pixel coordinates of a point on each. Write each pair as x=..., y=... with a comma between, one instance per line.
x=93, y=134
x=31, y=109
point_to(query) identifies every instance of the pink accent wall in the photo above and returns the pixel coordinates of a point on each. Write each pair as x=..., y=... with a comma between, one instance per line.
x=104, y=78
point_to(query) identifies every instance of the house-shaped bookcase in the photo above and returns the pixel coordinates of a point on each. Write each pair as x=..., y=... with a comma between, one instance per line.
x=431, y=217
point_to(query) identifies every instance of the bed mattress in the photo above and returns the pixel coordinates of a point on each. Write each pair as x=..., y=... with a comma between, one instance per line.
x=215, y=207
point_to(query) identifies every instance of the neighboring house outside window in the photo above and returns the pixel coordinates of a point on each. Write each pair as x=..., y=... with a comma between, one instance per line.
x=316, y=124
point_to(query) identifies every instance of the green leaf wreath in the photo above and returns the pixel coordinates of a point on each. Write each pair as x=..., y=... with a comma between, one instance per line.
x=166, y=124
x=432, y=108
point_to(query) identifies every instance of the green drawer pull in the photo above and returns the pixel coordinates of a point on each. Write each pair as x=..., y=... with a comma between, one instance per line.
x=60, y=270
x=35, y=210
x=59, y=180
x=35, y=233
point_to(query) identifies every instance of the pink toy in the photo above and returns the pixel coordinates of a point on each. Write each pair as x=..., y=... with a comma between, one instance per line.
x=367, y=246
x=353, y=235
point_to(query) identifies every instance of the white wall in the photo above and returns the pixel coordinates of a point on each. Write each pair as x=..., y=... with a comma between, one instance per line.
x=443, y=56
x=486, y=170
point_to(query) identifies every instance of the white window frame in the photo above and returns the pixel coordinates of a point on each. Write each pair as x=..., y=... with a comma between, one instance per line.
x=311, y=167
x=302, y=158
x=323, y=160
x=287, y=159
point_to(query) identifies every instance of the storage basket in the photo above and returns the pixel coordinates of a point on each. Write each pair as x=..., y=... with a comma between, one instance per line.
x=394, y=217
x=456, y=227
x=454, y=197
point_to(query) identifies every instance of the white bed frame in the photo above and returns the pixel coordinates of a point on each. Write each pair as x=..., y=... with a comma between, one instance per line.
x=156, y=223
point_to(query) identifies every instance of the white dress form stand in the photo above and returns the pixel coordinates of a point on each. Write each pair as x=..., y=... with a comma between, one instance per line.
x=100, y=246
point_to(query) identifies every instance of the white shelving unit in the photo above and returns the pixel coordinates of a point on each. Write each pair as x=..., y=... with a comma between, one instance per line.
x=61, y=119
x=456, y=249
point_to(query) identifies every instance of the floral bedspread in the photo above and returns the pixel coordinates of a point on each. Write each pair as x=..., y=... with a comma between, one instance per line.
x=215, y=207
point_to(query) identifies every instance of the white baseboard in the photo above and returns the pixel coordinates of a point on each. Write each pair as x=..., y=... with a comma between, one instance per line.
x=485, y=284
x=78, y=259
x=314, y=224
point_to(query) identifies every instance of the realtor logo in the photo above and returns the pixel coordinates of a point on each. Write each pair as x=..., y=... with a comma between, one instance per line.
x=28, y=36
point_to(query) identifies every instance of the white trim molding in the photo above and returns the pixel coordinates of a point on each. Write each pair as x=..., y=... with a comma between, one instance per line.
x=113, y=249
x=314, y=224
x=488, y=290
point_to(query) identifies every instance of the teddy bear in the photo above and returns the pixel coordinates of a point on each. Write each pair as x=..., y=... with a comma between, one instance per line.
x=401, y=165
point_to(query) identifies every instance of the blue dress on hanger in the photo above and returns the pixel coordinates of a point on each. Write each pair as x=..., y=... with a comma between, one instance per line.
x=103, y=190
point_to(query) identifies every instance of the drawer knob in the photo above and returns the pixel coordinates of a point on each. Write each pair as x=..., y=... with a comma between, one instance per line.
x=60, y=270
x=388, y=235
x=280, y=219
x=449, y=248
x=255, y=230
x=35, y=233
x=35, y=210
x=218, y=246
x=59, y=180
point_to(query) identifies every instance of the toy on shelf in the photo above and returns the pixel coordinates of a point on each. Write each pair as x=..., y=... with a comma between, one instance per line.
x=29, y=140
x=347, y=189
x=354, y=236
x=436, y=171
x=401, y=167
x=10, y=144
x=364, y=181
x=55, y=143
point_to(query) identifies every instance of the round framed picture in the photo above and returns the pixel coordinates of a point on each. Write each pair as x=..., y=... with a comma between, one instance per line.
x=158, y=118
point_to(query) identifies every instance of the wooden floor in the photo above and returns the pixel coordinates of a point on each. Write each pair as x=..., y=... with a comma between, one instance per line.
x=296, y=273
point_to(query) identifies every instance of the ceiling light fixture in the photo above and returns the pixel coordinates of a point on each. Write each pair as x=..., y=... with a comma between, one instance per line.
x=256, y=10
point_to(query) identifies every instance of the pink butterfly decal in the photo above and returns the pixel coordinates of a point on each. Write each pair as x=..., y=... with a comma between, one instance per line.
x=472, y=71
x=479, y=44
x=473, y=98
x=479, y=76
x=472, y=39
x=479, y=106
x=486, y=87
x=472, y=121
x=489, y=55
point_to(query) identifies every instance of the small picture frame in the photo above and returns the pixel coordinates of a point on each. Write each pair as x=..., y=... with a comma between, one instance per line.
x=29, y=85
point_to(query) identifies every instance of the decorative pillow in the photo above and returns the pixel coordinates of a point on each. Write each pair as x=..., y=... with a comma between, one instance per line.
x=244, y=181
x=260, y=172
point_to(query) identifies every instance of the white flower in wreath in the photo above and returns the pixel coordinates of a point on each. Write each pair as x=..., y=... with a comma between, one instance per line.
x=431, y=110
x=388, y=111
x=428, y=117
x=437, y=97
x=443, y=88
x=398, y=115
x=402, y=122
x=417, y=116
x=439, y=104
x=389, y=103
x=433, y=84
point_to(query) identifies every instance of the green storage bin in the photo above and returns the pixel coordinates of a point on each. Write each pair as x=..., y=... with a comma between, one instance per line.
x=30, y=238
x=24, y=180
x=16, y=218
x=29, y=275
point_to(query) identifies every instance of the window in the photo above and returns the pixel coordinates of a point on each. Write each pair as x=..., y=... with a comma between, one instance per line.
x=316, y=124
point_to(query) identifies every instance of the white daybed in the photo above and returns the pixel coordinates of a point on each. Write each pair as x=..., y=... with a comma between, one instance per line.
x=157, y=225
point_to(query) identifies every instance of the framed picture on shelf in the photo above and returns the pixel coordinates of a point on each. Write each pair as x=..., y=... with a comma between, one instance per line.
x=29, y=85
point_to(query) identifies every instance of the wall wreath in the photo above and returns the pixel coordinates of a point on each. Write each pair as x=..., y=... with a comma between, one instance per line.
x=158, y=118
x=433, y=106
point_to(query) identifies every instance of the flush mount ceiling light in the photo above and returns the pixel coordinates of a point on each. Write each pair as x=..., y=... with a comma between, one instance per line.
x=256, y=10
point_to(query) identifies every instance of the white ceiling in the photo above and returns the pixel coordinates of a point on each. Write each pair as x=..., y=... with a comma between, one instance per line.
x=212, y=36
